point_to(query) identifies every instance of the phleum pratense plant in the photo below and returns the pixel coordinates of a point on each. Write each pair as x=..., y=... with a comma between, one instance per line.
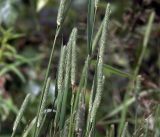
x=72, y=116
x=73, y=124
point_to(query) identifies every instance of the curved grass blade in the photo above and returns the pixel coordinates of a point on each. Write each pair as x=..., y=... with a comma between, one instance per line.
x=97, y=38
x=108, y=69
x=20, y=114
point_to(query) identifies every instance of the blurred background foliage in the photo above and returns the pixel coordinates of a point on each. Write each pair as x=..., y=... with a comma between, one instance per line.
x=27, y=28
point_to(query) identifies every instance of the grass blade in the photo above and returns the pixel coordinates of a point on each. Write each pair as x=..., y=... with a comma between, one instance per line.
x=20, y=114
x=66, y=77
x=60, y=85
x=136, y=71
x=97, y=37
x=124, y=132
x=40, y=113
x=90, y=24
x=29, y=128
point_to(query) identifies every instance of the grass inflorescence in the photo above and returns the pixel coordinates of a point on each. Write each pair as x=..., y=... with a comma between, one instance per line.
x=73, y=116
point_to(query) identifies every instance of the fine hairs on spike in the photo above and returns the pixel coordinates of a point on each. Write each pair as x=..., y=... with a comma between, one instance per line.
x=66, y=78
x=104, y=32
x=61, y=12
x=100, y=79
x=97, y=99
x=92, y=94
x=61, y=69
x=60, y=82
x=74, y=55
x=20, y=114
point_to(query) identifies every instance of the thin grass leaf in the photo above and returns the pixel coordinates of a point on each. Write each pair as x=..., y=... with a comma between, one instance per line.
x=40, y=113
x=90, y=24
x=119, y=108
x=66, y=79
x=91, y=101
x=20, y=114
x=60, y=78
x=11, y=48
x=127, y=103
x=92, y=97
x=48, y=71
x=108, y=69
x=136, y=71
x=97, y=38
x=84, y=77
x=137, y=91
x=145, y=42
x=99, y=75
x=14, y=69
x=29, y=128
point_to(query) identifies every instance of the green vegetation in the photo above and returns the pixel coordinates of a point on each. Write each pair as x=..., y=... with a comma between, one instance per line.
x=74, y=109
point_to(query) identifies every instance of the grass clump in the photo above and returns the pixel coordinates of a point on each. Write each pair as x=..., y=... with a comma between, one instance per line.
x=80, y=119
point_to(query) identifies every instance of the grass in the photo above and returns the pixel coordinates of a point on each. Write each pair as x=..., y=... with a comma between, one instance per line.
x=80, y=119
